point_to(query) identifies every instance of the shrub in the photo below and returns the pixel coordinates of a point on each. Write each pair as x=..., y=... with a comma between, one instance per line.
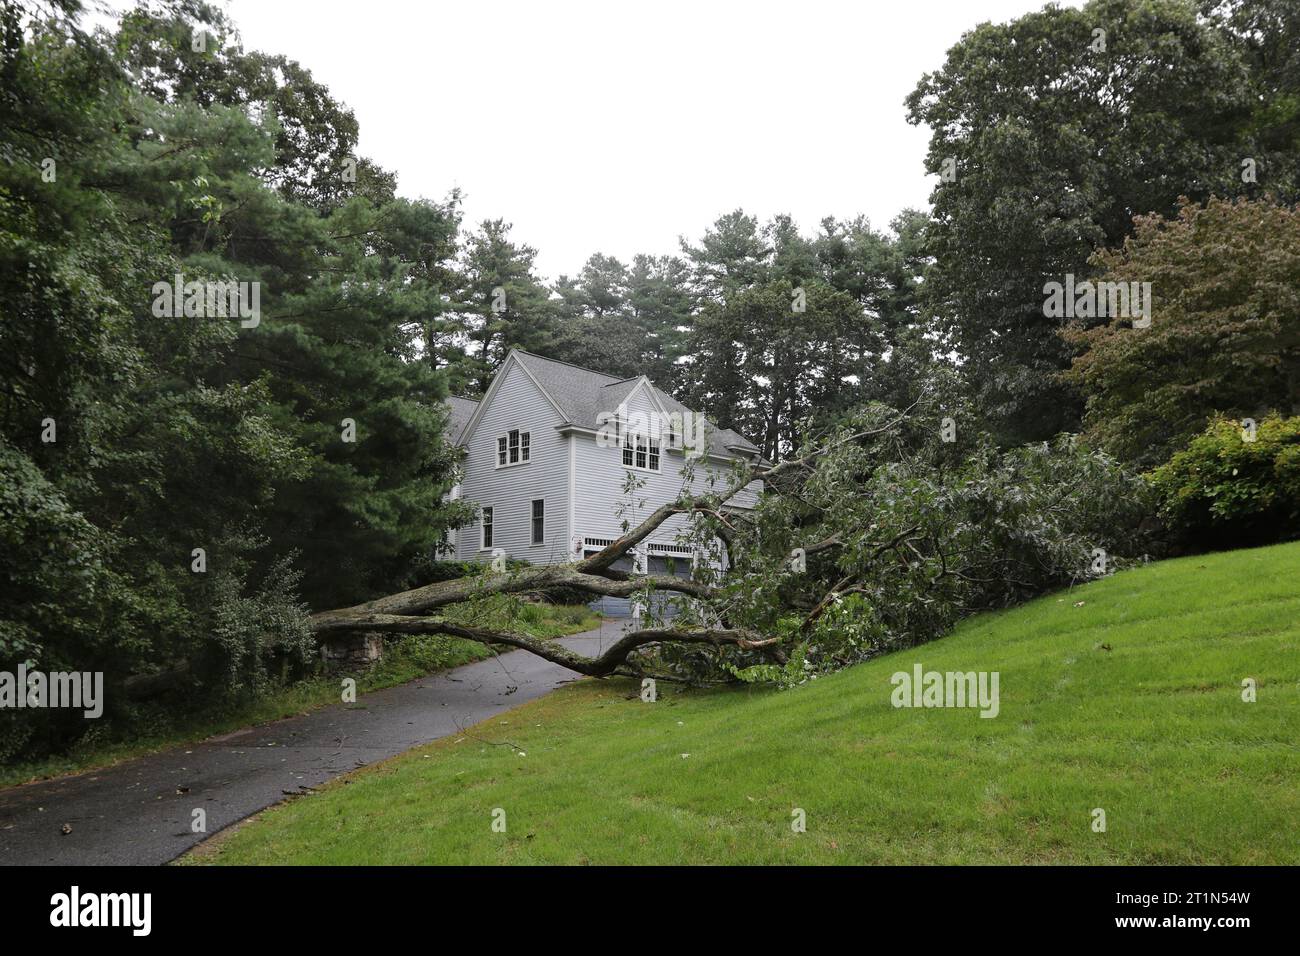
x=1230, y=488
x=434, y=571
x=571, y=616
x=450, y=570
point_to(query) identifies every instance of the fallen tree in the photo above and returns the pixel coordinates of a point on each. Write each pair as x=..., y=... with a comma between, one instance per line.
x=408, y=612
x=875, y=536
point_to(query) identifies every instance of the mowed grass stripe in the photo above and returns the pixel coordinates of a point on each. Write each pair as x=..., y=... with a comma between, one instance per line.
x=1153, y=730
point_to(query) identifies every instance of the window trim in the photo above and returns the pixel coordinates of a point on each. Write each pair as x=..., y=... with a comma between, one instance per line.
x=533, y=519
x=521, y=449
x=644, y=448
x=486, y=528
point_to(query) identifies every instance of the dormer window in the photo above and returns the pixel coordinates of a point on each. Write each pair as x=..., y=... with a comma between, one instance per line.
x=640, y=452
x=514, y=448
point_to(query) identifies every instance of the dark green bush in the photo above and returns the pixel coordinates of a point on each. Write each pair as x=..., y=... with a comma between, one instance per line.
x=1231, y=489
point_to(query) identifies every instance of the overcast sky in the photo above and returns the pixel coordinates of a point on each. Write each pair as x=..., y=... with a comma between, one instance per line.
x=617, y=127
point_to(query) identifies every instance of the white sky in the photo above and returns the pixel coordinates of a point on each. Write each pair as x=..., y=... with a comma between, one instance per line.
x=617, y=127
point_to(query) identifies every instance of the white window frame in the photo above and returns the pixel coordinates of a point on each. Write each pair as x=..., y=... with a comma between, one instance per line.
x=518, y=453
x=486, y=528
x=643, y=447
x=534, y=540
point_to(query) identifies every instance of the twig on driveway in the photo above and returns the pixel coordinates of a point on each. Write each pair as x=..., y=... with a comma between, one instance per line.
x=504, y=743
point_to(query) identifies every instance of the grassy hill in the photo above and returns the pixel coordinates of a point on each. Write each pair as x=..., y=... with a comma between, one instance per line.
x=1124, y=694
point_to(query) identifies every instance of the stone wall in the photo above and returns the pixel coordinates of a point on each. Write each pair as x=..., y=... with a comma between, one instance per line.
x=352, y=649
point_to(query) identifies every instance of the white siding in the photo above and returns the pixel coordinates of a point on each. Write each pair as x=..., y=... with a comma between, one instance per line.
x=600, y=476
x=581, y=483
x=599, y=480
x=510, y=491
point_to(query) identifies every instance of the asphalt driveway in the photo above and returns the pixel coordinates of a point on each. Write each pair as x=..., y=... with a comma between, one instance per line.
x=139, y=812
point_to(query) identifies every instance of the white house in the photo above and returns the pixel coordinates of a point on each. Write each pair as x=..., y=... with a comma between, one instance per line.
x=547, y=454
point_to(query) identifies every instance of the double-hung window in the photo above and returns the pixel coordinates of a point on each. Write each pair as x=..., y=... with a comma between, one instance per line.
x=487, y=528
x=539, y=520
x=514, y=448
x=640, y=452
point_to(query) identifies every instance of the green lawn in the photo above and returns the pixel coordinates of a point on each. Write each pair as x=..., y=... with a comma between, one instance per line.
x=404, y=660
x=1154, y=731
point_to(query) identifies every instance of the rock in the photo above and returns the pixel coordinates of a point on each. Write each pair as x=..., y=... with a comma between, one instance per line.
x=352, y=650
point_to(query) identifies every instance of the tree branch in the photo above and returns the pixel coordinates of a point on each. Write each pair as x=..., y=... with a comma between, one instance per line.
x=442, y=593
x=603, y=666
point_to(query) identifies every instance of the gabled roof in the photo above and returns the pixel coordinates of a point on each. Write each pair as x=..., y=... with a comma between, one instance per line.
x=462, y=410
x=581, y=395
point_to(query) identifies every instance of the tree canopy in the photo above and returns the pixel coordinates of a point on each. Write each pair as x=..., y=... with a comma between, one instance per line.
x=1051, y=132
x=226, y=340
x=1224, y=338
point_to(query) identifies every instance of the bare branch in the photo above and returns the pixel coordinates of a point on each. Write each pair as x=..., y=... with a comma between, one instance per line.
x=442, y=593
x=620, y=546
x=605, y=665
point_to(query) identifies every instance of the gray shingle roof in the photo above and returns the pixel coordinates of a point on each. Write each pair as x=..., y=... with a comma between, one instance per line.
x=462, y=410
x=583, y=394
